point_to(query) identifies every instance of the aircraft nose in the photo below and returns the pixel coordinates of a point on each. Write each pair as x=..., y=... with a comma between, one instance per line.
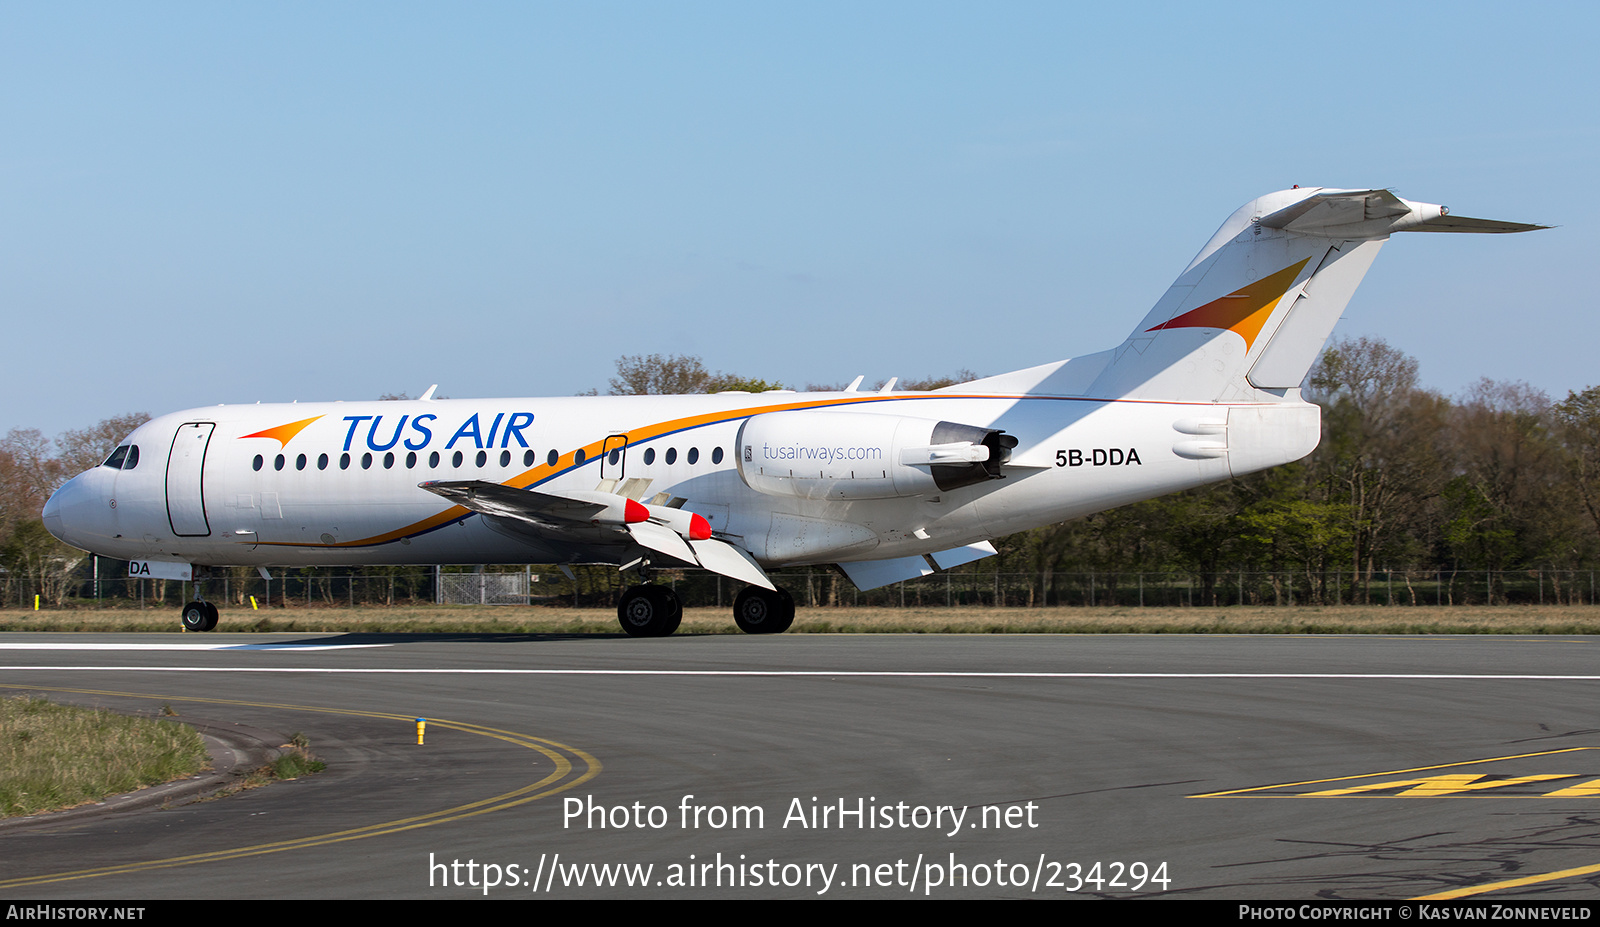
x=52, y=516
x=67, y=510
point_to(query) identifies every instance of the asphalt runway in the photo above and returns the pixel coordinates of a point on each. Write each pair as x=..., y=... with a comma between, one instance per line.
x=961, y=766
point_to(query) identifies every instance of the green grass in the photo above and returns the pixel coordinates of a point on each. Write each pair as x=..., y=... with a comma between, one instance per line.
x=57, y=756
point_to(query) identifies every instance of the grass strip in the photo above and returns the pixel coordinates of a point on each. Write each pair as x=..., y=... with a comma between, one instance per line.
x=57, y=756
x=464, y=619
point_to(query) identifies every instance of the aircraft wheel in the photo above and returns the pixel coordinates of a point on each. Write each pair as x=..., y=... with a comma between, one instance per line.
x=196, y=615
x=211, y=617
x=763, y=611
x=649, y=611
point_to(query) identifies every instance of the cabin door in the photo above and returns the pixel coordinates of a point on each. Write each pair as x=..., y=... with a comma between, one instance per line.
x=186, y=504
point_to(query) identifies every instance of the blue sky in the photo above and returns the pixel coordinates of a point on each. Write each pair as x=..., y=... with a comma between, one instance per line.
x=204, y=203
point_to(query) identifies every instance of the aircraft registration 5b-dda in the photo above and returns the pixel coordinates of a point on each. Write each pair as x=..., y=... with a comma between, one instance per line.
x=887, y=485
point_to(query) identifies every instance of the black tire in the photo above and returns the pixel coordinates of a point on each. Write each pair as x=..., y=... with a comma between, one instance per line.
x=211, y=617
x=649, y=611
x=195, y=617
x=763, y=611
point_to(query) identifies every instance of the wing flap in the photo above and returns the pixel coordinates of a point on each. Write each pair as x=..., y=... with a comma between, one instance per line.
x=569, y=511
x=735, y=562
x=662, y=539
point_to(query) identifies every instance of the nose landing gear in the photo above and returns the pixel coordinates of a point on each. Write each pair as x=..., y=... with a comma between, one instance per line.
x=199, y=615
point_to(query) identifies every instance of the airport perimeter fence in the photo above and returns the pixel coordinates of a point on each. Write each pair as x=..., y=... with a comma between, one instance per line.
x=103, y=583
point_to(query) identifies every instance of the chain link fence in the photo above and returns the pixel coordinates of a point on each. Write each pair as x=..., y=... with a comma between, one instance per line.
x=102, y=582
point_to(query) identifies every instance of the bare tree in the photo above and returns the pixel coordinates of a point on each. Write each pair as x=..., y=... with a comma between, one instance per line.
x=675, y=375
x=1381, y=448
x=33, y=470
x=87, y=448
x=1578, y=427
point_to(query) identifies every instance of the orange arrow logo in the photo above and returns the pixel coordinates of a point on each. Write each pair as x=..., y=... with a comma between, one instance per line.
x=283, y=434
x=1243, y=311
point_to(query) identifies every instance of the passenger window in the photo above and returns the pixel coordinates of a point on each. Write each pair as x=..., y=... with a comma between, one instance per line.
x=322, y=461
x=672, y=456
x=649, y=456
x=551, y=460
x=433, y=460
x=411, y=460
x=577, y=456
x=716, y=455
x=300, y=462
x=483, y=457
x=344, y=461
x=258, y=463
x=278, y=463
x=388, y=461
x=694, y=455
x=505, y=458
x=366, y=461
x=455, y=459
x=527, y=458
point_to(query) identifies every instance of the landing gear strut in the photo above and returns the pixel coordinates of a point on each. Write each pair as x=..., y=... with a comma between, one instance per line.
x=649, y=611
x=199, y=615
x=763, y=611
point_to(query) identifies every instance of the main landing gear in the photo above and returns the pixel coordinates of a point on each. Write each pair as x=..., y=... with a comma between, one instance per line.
x=199, y=616
x=763, y=611
x=648, y=610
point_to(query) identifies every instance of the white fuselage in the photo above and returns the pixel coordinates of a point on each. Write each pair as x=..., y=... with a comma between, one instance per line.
x=242, y=485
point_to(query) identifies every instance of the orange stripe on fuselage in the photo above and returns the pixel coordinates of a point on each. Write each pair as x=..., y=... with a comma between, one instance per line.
x=591, y=451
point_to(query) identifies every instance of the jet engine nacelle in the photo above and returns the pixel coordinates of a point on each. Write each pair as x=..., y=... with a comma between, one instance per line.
x=854, y=455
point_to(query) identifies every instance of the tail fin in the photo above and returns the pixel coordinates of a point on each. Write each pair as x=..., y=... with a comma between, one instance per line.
x=1252, y=311
x=1248, y=317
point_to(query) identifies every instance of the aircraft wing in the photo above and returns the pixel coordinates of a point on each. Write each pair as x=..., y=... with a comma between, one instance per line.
x=578, y=516
x=545, y=509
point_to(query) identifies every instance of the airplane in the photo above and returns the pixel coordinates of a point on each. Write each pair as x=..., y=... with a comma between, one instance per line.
x=887, y=485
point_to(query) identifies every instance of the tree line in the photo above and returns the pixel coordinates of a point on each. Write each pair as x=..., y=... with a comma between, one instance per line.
x=1500, y=478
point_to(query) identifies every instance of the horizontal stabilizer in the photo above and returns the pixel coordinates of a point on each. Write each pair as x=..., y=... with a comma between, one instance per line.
x=1449, y=223
x=1365, y=214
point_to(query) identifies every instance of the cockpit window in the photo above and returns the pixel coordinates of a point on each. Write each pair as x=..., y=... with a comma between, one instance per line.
x=125, y=457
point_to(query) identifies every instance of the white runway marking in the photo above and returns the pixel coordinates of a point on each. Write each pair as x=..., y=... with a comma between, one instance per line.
x=147, y=647
x=930, y=674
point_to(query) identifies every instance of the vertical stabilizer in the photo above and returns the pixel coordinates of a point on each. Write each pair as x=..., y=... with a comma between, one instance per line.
x=1248, y=317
